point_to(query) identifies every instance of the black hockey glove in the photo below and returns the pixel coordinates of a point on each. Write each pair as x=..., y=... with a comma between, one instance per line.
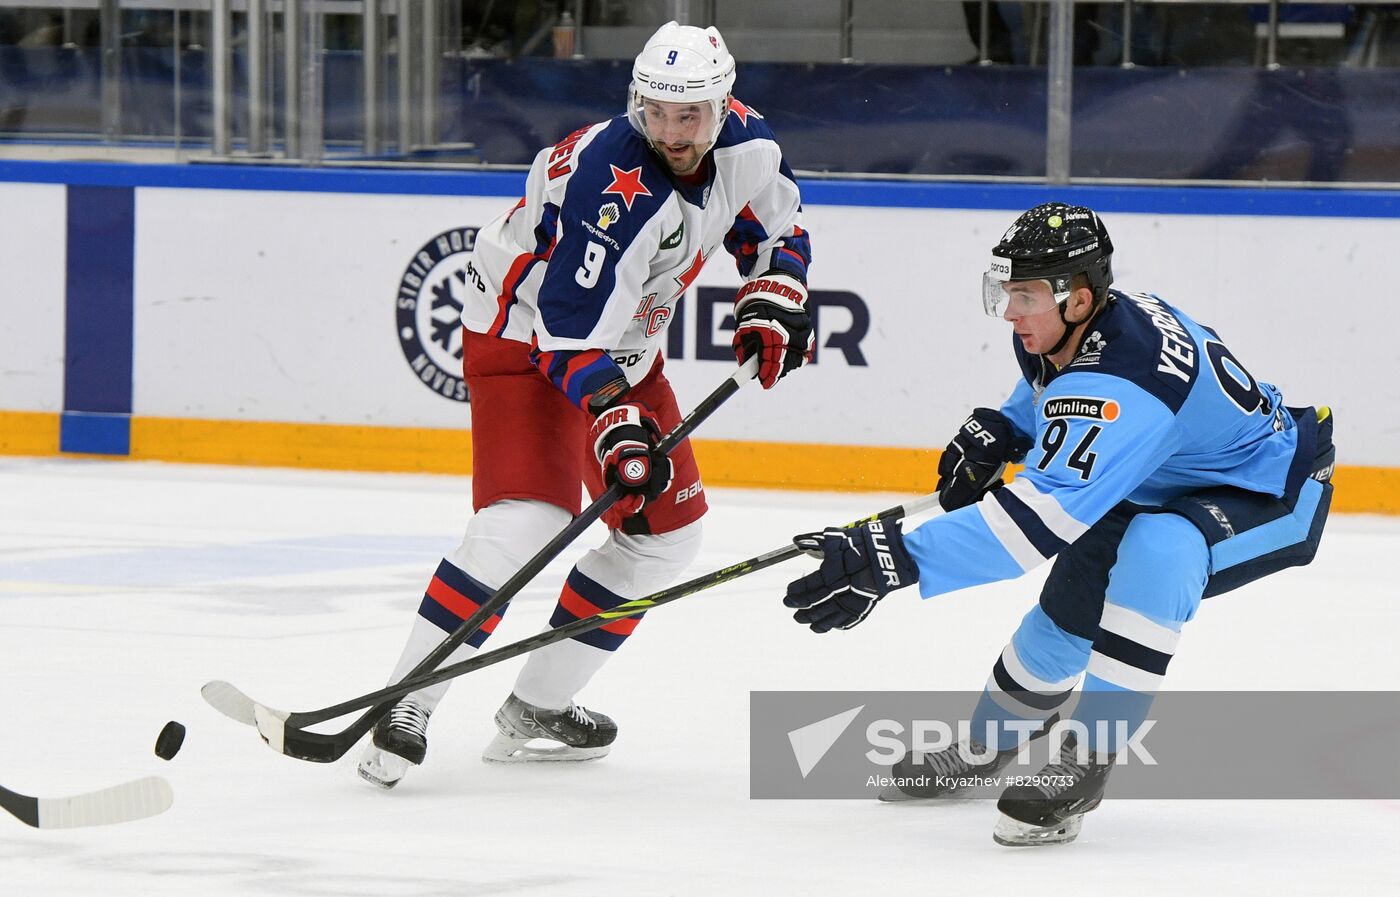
x=624, y=440
x=973, y=462
x=772, y=323
x=860, y=565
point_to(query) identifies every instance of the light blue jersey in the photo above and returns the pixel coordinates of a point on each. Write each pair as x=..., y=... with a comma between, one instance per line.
x=1154, y=406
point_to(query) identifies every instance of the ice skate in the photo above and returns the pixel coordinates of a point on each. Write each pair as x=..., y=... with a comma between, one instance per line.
x=577, y=734
x=400, y=740
x=928, y=776
x=1052, y=810
x=922, y=775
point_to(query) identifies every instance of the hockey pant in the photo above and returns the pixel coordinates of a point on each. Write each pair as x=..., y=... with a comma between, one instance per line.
x=1114, y=604
x=500, y=538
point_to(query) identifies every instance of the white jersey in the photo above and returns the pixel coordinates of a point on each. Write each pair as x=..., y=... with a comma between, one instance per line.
x=588, y=267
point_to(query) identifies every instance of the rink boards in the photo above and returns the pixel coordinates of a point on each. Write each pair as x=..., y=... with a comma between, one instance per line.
x=304, y=318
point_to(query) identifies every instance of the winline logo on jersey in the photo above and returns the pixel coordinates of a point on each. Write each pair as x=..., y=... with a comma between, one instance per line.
x=429, y=310
x=1198, y=745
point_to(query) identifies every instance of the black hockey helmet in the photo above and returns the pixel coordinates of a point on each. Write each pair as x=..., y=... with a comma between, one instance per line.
x=1051, y=242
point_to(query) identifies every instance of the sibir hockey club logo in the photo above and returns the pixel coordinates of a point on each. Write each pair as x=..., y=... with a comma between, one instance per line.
x=429, y=305
x=1091, y=352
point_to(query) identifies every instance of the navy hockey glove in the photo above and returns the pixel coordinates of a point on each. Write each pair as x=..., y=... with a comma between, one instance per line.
x=973, y=462
x=772, y=323
x=860, y=565
x=624, y=440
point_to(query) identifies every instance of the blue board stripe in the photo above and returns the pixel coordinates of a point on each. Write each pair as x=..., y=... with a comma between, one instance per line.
x=1321, y=202
x=1265, y=201
x=94, y=434
x=251, y=177
x=97, y=362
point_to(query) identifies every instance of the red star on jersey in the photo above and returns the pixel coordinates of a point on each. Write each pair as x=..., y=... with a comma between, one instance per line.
x=687, y=277
x=743, y=112
x=627, y=184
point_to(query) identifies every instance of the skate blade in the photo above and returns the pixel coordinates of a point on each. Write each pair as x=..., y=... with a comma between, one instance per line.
x=891, y=794
x=381, y=768
x=513, y=749
x=1014, y=833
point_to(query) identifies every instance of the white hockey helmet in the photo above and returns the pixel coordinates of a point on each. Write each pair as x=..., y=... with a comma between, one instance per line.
x=682, y=64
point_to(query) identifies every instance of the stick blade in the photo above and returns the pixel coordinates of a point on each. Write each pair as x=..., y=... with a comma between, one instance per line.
x=138, y=799
x=229, y=701
x=272, y=726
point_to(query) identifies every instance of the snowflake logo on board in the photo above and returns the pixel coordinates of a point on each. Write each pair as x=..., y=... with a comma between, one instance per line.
x=431, y=294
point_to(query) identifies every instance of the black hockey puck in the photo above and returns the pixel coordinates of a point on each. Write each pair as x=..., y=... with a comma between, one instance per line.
x=169, y=741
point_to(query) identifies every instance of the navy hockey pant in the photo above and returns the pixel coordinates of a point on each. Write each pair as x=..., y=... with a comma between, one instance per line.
x=1115, y=601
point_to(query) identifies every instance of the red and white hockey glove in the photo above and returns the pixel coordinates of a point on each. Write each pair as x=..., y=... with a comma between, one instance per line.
x=773, y=323
x=624, y=441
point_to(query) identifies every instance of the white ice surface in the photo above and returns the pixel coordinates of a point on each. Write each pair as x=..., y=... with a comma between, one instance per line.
x=125, y=586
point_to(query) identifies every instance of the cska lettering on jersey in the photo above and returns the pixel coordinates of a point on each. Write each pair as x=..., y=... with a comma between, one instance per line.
x=563, y=154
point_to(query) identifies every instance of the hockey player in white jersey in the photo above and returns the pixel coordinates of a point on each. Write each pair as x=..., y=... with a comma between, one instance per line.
x=1158, y=472
x=569, y=295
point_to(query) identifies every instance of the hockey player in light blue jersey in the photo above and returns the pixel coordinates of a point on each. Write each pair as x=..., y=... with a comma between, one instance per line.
x=1158, y=471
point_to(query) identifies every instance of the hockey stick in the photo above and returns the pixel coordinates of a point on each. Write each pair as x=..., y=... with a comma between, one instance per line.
x=137, y=799
x=273, y=729
x=285, y=731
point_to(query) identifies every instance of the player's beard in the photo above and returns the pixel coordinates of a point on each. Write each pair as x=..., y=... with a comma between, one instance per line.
x=681, y=163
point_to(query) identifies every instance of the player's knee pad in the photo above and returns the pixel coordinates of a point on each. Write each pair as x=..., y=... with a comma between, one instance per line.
x=1162, y=567
x=501, y=537
x=1048, y=654
x=637, y=565
x=1073, y=592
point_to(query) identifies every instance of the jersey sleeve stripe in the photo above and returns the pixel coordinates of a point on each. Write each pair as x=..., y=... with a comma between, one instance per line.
x=795, y=254
x=743, y=240
x=1043, y=540
x=1006, y=532
x=576, y=365
x=1048, y=509
x=577, y=374
x=545, y=238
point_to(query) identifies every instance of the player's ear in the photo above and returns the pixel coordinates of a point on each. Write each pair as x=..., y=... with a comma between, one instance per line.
x=1081, y=302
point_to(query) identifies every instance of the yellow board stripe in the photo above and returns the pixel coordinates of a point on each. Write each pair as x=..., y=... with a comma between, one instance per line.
x=28, y=433
x=319, y=446
x=764, y=465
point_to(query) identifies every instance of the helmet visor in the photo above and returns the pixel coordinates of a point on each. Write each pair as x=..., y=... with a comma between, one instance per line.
x=676, y=124
x=1018, y=298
